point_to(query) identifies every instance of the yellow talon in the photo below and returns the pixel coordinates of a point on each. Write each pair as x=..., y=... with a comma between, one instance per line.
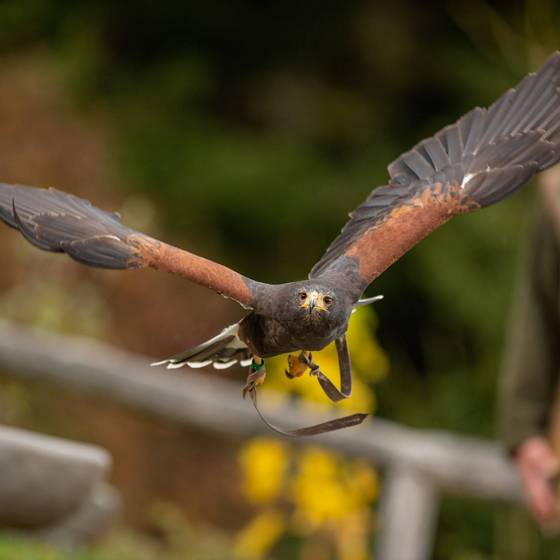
x=297, y=364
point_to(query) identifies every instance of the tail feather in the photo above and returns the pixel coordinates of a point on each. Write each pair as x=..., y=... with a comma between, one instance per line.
x=222, y=351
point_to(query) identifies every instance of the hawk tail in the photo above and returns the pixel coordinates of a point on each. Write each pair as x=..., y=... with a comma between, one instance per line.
x=222, y=351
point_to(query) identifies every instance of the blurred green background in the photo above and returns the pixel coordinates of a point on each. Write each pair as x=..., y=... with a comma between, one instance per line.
x=246, y=131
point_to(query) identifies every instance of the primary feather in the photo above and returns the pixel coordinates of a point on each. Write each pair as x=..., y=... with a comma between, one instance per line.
x=482, y=158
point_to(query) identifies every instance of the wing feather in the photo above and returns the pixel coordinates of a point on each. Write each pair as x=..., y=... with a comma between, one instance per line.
x=436, y=152
x=60, y=222
x=482, y=158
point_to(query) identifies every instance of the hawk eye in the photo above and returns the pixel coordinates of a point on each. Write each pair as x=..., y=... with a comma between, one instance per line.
x=327, y=300
x=302, y=296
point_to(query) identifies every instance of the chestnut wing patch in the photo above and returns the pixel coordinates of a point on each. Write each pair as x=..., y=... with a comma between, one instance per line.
x=481, y=159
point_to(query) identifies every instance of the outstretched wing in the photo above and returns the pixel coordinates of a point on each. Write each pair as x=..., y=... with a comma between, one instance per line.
x=484, y=157
x=56, y=221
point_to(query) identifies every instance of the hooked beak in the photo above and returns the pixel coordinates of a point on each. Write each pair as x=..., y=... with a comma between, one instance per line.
x=312, y=303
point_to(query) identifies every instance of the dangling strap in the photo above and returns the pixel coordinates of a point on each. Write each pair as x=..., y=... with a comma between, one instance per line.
x=330, y=389
x=345, y=367
x=329, y=426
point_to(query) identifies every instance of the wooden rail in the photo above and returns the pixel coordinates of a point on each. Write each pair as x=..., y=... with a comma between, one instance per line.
x=418, y=464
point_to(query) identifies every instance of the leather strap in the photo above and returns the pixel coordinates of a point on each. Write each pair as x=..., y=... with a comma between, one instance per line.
x=330, y=389
x=345, y=368
x=324, y=427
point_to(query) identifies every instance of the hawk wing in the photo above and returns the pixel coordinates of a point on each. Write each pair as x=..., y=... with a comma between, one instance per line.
x=476, y=162
x=56, y=221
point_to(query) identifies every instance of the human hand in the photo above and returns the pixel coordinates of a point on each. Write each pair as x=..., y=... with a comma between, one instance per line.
x=538, y=466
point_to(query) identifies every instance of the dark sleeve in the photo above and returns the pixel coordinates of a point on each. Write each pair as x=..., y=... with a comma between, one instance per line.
x=530, y=364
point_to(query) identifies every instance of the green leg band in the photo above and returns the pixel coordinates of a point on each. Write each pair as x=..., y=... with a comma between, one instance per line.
x=255, y=366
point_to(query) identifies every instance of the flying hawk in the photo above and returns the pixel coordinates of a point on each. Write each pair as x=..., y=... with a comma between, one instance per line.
x=481, y=159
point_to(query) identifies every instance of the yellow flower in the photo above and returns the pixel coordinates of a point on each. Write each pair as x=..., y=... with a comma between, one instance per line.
x=256, y=539
x=318, y=463
x=362, y=481
x=318, y=492
x=369, y=360
x=351, y=536
x=264, y=462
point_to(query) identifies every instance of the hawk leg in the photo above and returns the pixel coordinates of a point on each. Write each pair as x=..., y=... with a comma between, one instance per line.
x=257, y=374
x=297, y=364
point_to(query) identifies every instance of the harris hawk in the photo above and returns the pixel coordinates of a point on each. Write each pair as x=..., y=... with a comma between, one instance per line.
x=478, y=161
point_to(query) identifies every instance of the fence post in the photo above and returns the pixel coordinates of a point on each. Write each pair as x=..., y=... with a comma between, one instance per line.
x=407, y=515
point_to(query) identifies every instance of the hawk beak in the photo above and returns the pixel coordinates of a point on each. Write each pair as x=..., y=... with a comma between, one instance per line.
x=314, y=301
x=312, y=304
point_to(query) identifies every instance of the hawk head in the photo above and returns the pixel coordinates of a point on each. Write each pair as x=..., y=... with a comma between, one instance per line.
x=317, y=305
x=315, y=301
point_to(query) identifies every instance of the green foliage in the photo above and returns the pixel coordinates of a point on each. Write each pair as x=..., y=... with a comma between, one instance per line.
x=173, y=539
x=121, y=546
x=12, y=547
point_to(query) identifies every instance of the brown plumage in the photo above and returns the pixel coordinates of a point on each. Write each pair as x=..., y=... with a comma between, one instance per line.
x=476, y=162
x=224, y=280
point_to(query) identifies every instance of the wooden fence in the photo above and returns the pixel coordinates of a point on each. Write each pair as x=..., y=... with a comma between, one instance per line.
x=418, y=465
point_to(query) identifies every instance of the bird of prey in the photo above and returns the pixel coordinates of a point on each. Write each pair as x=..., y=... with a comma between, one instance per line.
x=478, y=161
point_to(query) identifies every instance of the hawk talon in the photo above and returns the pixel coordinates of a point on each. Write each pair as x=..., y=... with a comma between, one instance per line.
x=297, y=365
x=257, y=374
x=307, y=359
